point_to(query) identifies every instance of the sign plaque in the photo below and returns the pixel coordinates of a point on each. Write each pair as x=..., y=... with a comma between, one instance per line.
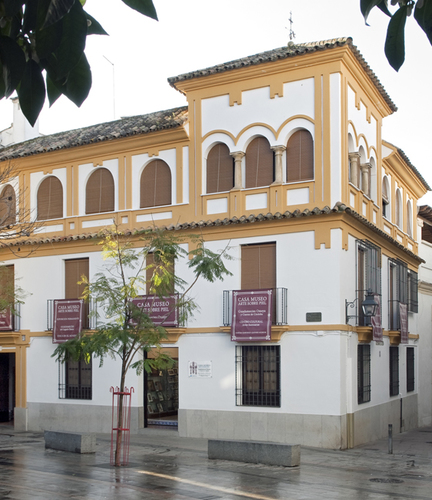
x=252, y=315
x=68, y=315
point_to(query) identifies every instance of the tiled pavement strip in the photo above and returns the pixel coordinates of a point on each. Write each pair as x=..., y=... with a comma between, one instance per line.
x=164, y=466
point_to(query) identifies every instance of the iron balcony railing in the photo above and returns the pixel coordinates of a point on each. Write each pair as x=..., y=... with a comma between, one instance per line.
x=89, y=315
x=280, y=307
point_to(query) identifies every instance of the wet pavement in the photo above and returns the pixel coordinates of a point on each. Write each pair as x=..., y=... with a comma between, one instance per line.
x=164, y=466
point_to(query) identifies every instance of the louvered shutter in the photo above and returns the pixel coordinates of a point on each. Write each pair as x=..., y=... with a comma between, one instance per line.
x=259, y=163
x=258, y=266
x=100, y=192
x=50, y=199
x=220, y=169
x=155, y=185
x=74, y=270
x=300, y=157
x=7, y=206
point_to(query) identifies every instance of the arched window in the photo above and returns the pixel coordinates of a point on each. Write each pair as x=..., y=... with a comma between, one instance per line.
x=220, y=169
x=398, y=209
x=155, y=186
x=259, y=163
x=50, y=199
x=7, y=206
x=409, y=219
x=385, y=198
x=100, y=192
x=300, y=163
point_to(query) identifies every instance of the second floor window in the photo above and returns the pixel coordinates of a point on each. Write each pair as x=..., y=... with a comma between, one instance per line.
x=220, y=169
x=100, y=192
x=155, y=185
x=259, y=163
x=50, y=199
x=368, y=274
x=300, y=158
x=7, y=206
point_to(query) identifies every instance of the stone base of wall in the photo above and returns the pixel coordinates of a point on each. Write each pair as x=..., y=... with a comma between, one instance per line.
x=76, y=418
x=321, y=431
x=21, y=419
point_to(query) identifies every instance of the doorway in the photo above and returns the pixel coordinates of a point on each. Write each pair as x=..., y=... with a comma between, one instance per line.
x=7, y=386
x=161, y=394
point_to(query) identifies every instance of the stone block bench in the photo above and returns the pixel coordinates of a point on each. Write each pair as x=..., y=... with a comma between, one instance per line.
x=76, y=442
x=256, y=452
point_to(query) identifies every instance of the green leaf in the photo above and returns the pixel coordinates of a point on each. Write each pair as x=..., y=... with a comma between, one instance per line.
x=73, y=40
x=30, y=17
x=144, y=7
x=31, y=91
x=93, y=26
x=56, y=10
x=53, y=91
x=13, y=61
x=12, y=7
x=2, y=84
x=383, y=7
x=423, y=17
x=79, y=82
x=395, y=41
x=48, y=40
x=366, y=6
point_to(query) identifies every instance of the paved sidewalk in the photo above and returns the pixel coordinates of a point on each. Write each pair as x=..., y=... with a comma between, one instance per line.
x=165, y=466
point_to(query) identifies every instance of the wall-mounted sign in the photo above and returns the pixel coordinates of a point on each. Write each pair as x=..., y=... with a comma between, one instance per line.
x=161, y=311
x=252, y=315
x=201, y=369
x=68, y=315
x=314, y=317
x=403, y=314
x=377, y=331
x=6, y=323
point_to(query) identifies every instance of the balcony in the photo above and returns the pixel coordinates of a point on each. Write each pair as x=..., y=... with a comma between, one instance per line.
x=89, y=318
x=11, y=321
x=279, y=309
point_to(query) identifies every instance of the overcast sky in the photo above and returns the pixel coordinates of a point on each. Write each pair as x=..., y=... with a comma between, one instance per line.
x=194, y=34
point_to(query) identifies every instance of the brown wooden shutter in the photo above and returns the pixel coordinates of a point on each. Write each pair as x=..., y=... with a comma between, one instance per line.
x=300, y=157
x=74, y=270
x=155, y=185
x=7, y=206
x=220, y=169
x=50, y=199
x=259, y=163
x=100, y=192
x=258, y=266
x=149, y=274
x=7, y=285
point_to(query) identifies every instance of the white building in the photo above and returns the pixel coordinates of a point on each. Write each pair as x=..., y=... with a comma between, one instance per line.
x=280, y=156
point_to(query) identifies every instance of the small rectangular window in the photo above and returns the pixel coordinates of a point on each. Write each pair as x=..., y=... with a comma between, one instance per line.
x=363, y=373
x=412, y=291
x=258, y=376
x=410, y=369
x=75, y=380
x=394, y=371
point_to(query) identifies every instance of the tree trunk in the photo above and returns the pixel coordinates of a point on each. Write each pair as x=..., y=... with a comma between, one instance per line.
x=117, y=456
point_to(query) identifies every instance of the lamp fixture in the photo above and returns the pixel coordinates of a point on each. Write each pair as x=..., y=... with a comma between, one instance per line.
x=369, y=306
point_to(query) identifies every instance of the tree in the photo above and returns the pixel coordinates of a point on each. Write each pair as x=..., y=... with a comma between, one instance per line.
x=129, y=328
x=42, y=46
x=395, y=39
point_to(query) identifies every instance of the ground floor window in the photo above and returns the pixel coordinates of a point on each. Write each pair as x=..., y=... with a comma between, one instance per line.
x=363, y=373
x=258, y=376
x=394, y=371
x=410, y=369
x=75, y=380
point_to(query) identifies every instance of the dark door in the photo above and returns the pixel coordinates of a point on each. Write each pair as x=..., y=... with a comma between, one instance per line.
x=7, y=386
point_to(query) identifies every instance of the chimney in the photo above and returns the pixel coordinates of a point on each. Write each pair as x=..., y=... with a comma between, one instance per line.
x=21, y=128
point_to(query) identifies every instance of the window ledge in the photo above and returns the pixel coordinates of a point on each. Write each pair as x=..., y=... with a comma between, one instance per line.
x=276, y=331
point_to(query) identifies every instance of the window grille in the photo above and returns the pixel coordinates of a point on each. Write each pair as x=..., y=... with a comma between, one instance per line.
x=410, y=369
x=363, y=373
x=398, y=291
x=412, y=291
x=75, y=380
x=368, y=275
x=394, y=371
x=258, y=376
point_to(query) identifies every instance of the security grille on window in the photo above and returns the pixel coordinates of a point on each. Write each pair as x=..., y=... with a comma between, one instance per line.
x=368, y=275
x=410, y=369
x=398, y=291
x=412, y=291
x=363, y=374
x=258, y=376
x=75, y=380
x=394, y=371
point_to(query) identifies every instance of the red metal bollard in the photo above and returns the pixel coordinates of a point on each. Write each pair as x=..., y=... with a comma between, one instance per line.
x=124, y=430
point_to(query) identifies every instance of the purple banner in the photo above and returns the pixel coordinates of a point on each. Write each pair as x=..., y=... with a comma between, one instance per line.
x=161, y=311
x=252, y=315
x=403, y=314
x=6, y=320
x=377, y=331
x=67, y=319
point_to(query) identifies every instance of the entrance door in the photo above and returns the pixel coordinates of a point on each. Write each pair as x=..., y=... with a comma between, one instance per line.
x=161, y=393
x=7, y=386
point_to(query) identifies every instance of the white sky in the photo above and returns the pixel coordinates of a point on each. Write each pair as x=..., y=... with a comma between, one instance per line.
x=194, y=34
